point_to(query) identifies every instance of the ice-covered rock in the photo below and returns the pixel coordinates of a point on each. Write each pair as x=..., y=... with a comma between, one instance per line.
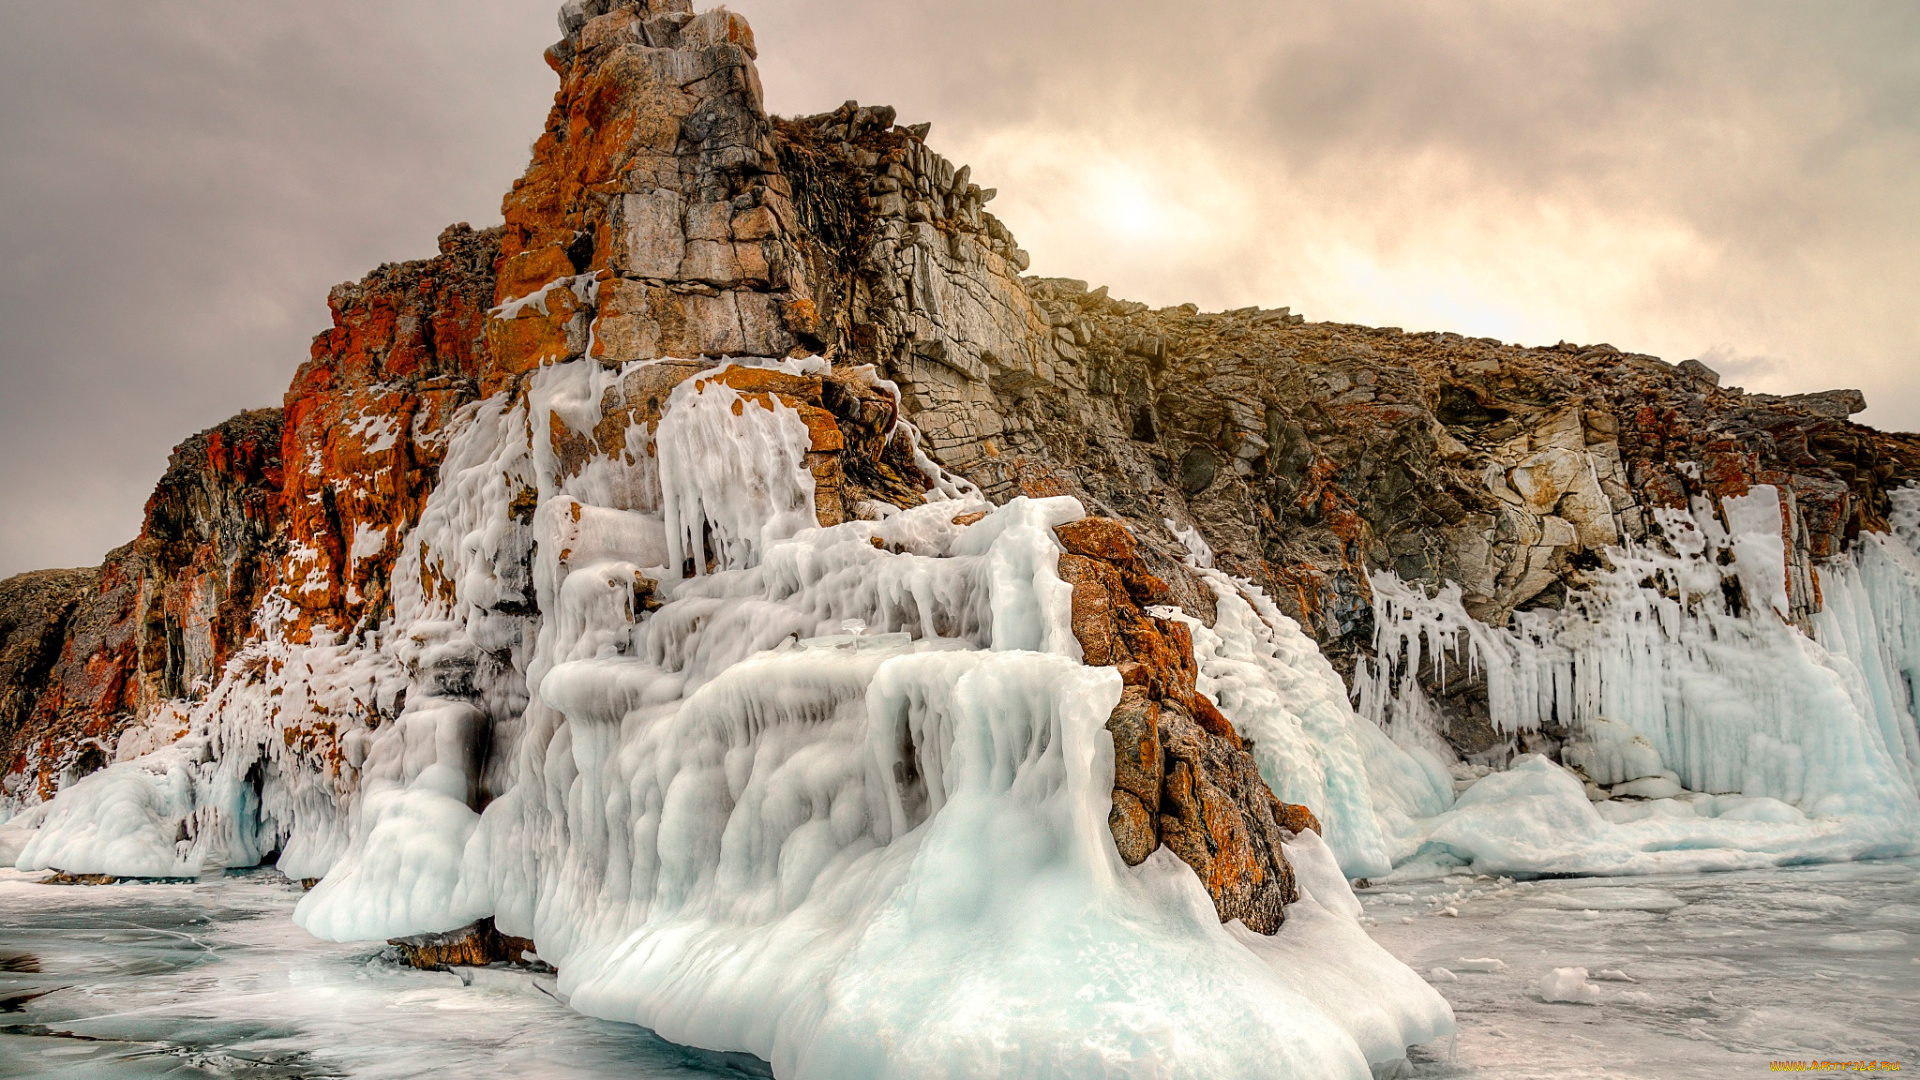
x=583, y=597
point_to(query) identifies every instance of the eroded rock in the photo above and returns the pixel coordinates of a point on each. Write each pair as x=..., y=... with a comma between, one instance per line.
x=475, y=945
x=1183, y=777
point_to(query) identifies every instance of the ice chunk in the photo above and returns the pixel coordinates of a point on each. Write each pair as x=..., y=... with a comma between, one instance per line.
x=1482, y=964
x=1569, y=985
x=1199, y=554
x=1754, y=524
x=1665, y=786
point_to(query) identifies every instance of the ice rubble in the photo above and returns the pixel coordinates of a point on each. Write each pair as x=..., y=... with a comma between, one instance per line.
x=875, y=853
x=1750, y=742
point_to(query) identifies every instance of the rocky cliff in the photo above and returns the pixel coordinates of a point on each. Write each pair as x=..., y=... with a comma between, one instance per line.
x=666, y=215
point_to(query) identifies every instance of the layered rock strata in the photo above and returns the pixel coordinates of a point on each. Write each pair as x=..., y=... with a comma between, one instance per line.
x=666, y=214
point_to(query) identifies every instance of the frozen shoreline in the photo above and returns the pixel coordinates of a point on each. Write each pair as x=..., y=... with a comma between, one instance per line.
x=1730, y=971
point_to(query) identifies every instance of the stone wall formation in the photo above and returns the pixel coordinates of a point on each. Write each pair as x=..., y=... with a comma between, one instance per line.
x=719, y=360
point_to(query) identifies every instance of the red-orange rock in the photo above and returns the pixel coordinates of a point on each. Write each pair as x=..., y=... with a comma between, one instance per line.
x=1182, y=775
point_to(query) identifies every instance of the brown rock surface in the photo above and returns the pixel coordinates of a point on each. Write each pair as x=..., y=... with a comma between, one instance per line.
x=35, y=612
x=476, y=945
x=161, y=617
x=664, y=214
x=1182, y=776
x=364, y=425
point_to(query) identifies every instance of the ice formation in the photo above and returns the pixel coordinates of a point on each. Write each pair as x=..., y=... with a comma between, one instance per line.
x=1569, y=986
x=1680, y=682
x=836, y=797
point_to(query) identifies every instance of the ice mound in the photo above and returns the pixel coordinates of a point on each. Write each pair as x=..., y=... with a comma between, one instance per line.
x=1535, y=818
x=834, y=796
x=1609, y=752
x=124, y=820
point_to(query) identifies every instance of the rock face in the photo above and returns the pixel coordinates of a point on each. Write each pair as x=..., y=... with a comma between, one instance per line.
x=1309, y=453
x=158, y=621
x=666, y=214
x=1183, y=777
x=363, y=436
x=35, y=612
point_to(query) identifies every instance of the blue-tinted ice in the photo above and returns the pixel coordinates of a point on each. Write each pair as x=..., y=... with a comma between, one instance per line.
x=214, y=980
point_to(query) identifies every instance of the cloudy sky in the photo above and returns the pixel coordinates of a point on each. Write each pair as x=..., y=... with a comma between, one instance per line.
x=183, y=180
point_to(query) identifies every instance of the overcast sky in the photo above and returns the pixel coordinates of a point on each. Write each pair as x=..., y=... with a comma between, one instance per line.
x=183, y=180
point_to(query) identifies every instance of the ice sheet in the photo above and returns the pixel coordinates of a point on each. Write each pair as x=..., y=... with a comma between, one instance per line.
x=1697, y=976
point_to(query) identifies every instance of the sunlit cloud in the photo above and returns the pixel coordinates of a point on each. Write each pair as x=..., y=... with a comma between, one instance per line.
x=1723, y=179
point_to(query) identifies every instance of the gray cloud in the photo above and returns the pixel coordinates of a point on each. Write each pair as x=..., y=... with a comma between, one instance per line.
x=183, y=181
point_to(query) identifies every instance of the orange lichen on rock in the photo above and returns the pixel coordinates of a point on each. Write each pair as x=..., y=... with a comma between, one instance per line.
x=1183, y=777
x=476, y=945
x=365, y=424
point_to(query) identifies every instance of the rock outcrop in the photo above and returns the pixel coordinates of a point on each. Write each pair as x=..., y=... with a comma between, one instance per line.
x=666, y=215
x=36, y=611
x=478, y=945
x=158, y=621
x=365, y=417
x=1183, y=776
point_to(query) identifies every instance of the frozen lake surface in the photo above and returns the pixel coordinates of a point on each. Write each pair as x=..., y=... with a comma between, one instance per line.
x=1706, y=976
x=214, y=980
x=1728, y=972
